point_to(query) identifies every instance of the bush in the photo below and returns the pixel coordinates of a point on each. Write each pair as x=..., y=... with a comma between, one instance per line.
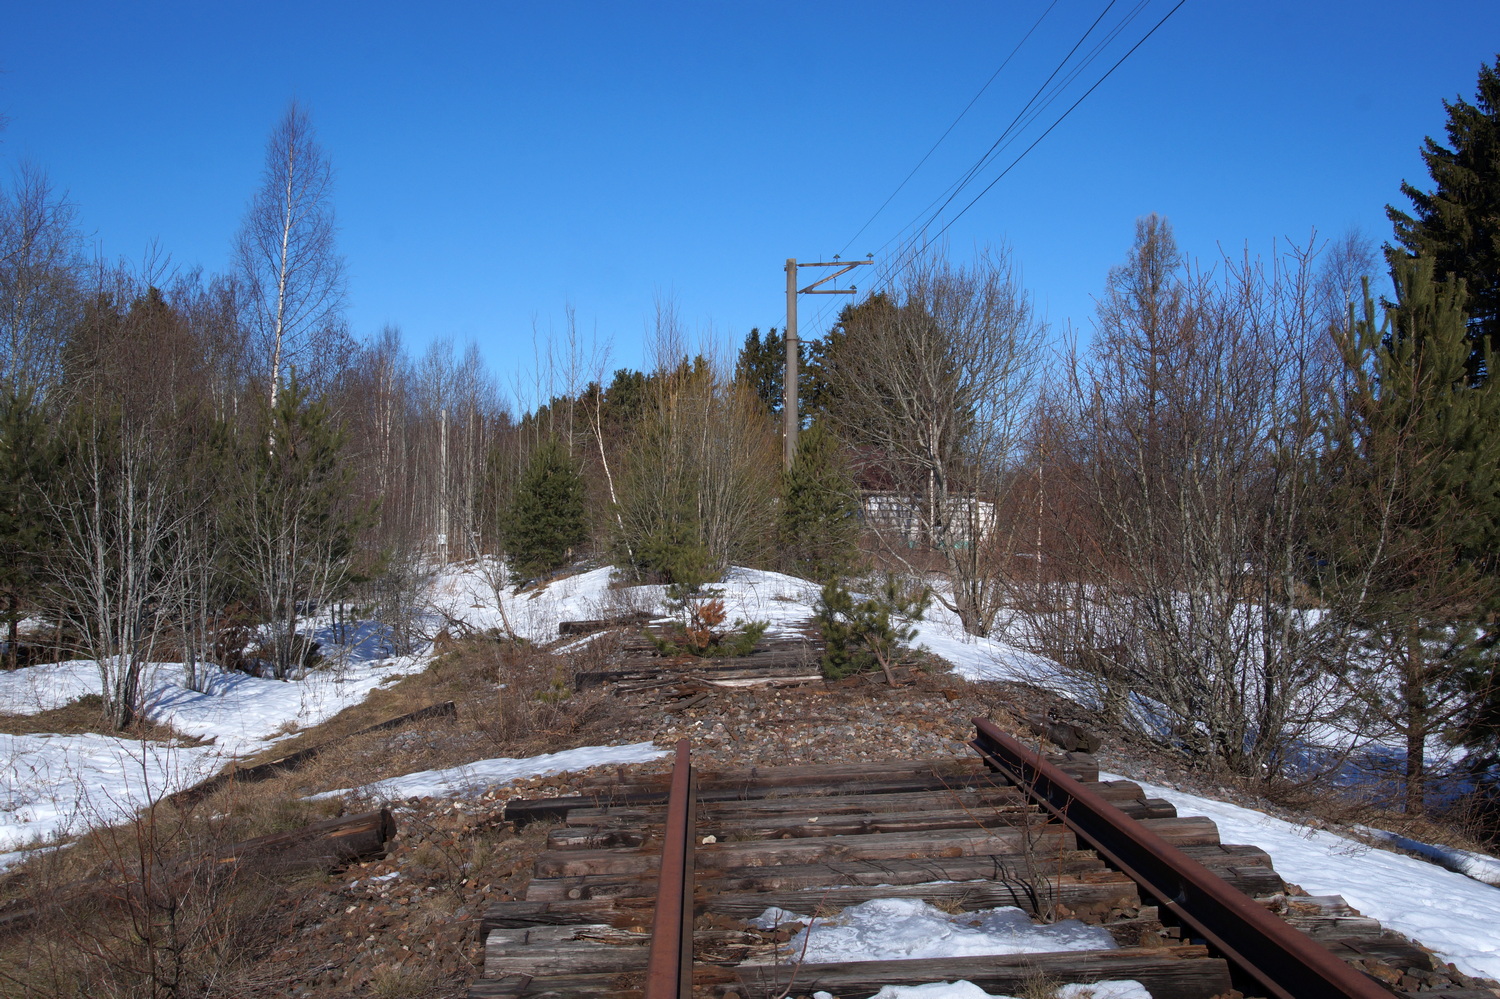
x=698, y=632
x=546, y=517
x=860, y=635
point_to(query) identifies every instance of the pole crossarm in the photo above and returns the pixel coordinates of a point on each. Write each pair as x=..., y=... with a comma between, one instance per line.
x=844, y=268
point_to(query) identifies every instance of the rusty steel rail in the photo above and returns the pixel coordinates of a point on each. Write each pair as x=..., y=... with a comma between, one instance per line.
x=1288, y=963
x=669, y=968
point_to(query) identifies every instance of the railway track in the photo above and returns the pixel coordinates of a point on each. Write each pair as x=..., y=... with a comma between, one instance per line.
x=655, y=888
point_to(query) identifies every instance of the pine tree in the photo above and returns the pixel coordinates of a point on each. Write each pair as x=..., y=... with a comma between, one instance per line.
x=1457, y=223
x=859, y=635
x=545, y=521
x=1415, y=462
x=761, y=367
x=819, y=515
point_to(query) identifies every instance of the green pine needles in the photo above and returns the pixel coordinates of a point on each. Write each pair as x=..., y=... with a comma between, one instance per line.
x=699, y=630
x=860, y=635
x=819, y=517
x=545, y=522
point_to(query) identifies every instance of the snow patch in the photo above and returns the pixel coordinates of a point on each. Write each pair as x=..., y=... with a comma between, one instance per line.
x=1449, y=913
x=472, y=777
x=894, y=929
x=1479, y=866
x=961, y=989
x=60, y=785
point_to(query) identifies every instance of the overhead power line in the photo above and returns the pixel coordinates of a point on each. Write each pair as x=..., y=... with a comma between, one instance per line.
x=951, y=126
x=915, y=234
x=1060, y=118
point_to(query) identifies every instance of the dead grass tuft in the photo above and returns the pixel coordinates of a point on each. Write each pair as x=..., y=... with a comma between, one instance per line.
x=86, y=715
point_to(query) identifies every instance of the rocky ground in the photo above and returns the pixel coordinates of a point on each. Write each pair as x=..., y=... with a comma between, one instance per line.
x=404, y=926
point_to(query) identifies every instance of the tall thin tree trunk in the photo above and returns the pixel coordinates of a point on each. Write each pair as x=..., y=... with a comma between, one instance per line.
x=13, y=631
x=1415, y=694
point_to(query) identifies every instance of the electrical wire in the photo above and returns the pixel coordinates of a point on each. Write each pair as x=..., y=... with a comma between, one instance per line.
x=919, y=238
x=1060, y=118
x=1040, y=100
x=951, y=126
x=1029, y=112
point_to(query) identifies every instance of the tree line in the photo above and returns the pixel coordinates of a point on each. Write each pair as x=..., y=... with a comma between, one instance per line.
x=1257, y=511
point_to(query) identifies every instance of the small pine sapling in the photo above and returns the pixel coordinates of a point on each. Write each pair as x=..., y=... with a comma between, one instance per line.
x=699, y=631
x=859, y=635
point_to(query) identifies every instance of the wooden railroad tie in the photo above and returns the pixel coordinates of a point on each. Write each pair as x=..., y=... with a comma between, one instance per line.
x=599, y=916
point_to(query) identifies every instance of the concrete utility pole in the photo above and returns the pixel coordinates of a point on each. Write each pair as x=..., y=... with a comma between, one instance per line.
x=791, y=417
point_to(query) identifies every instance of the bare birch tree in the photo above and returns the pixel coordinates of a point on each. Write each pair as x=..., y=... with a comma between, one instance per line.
x=292, y=274
x=116, y=569
x=38, y=279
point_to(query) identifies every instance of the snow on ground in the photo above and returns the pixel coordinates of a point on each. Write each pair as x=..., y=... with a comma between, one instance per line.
x=59, y=785
x=1453, y=915
x=896, y=929
x=1479, y=866
x=968, y=990
x=239, y=711
x=465, y=593
x=53, y=786
x=476, y=776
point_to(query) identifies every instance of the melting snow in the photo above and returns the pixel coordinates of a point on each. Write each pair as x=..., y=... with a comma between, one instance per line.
x=968, y=990
x=888, y=929
x=1453, y=915
x=471, y=777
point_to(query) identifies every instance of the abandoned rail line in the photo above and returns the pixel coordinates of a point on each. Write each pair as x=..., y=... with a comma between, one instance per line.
x=652, y=887
x=660, y=887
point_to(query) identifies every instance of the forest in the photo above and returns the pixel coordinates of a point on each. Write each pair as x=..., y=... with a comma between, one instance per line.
x=1256, y=509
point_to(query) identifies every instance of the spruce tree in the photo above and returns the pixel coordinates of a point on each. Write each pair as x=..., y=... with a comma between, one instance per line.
x=819, y=515
x=545, y=521
x=1415, y=465
x=862, y=634
x=293, y=520
x=24, y=467
x=1457, y=223
x=761, y=367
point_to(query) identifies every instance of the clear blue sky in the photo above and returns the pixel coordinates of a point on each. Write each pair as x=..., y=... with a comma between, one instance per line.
x=498, y=161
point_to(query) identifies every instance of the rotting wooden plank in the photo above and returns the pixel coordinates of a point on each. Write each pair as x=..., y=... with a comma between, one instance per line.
x=1045, y=840
x=549, y=950
x=1085, y=891
x=605, y=794
x=1167, y=973
x=841, y=773
x=831, y=872
x=631, y=828
x=623, y=913
x=627, y=830
x=1392, y=948
x=1114, y=791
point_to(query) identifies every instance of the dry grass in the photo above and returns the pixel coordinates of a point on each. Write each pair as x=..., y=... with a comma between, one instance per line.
x=86, y=715
x=135, y=910
x=142, y=909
